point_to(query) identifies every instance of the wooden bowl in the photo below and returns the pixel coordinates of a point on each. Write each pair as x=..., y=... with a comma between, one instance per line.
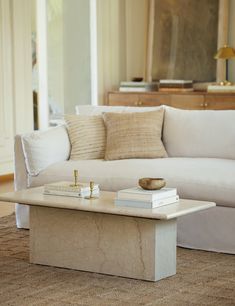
x=149, y=183
x=137, y=79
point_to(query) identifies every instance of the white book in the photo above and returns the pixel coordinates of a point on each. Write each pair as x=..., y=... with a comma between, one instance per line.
x=70, y=194
x=139, y=194
x=137, y=84
x=141, y=204
x=130, y=89
x=221, y=88
x=175, y=81
x=68, y=186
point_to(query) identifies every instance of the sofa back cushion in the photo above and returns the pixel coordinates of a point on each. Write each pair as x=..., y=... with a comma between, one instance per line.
x=134, y=135
x=191, y=133
x=87, y=136
x=90, y=110
x=43, y=148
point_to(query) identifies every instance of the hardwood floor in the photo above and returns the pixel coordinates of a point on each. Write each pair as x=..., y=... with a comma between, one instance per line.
x=6, y=208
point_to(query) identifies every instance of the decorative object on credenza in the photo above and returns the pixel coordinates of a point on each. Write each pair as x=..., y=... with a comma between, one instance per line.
x=91, y=196
x=139, y=86
x=173, y=50
x=228, y=88
x=175, y=85
x=225, y=53
x=149, y=183
x=137, y=79
x=201, y=86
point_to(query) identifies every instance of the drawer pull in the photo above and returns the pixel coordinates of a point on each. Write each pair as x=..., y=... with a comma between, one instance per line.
x=206, y=104
x=136, y=103
x=140, y=103
x=202, y=104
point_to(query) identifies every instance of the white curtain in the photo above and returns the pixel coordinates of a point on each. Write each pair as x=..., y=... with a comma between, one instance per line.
x=122, y=42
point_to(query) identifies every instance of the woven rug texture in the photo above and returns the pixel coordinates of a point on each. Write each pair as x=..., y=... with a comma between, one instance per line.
x=203, y=278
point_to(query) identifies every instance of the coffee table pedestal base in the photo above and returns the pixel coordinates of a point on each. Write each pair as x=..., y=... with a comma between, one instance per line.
x=103, y=243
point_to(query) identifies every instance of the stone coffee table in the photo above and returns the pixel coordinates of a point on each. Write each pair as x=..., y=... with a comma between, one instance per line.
x=96, y=236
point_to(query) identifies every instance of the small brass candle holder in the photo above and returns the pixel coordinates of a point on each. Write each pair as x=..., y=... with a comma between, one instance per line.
x=91, y=192
x=75, y=173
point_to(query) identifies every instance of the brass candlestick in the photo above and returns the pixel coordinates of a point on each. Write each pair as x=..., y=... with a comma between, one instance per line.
x=75, y=173
x=91, y=192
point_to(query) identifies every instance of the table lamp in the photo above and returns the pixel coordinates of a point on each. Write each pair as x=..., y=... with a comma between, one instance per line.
x=226, y=53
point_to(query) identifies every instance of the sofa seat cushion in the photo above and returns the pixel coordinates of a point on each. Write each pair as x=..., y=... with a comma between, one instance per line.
x=195, y=178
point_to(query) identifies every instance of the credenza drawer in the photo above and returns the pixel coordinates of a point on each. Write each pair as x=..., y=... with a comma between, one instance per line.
x=125, y=99
x=133, y=99
x=187, y=101
x=153, y=100
x=220, y=102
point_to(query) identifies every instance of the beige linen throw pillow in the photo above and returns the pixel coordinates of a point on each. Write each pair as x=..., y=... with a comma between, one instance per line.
x=134, y=135
x=87, y=136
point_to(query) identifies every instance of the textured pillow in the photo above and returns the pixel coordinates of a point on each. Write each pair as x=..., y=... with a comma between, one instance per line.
x=134, y=135
x=87, y=136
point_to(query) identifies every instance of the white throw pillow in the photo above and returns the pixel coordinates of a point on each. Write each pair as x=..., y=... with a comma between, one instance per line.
x=199, y=133
x=43, y=148
x=90, y=110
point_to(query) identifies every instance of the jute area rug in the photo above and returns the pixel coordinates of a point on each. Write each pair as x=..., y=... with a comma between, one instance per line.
x=203, y=278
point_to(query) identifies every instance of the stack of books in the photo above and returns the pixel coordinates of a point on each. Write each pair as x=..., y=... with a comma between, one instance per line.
x=140, y=198
x=68, y=189
x=138, y=86
x=176, y=85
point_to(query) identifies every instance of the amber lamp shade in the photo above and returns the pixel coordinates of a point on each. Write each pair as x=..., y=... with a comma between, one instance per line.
x=225, y=53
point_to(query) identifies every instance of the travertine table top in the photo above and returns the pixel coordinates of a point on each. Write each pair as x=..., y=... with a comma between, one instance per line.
x=104, y=204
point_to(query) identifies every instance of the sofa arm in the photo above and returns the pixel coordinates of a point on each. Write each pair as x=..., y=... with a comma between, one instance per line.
x=20, y=175
x=21, y=182
x=43, y=148
x=33, y=153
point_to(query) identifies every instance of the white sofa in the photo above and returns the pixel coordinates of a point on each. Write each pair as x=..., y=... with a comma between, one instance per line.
x=201, y=164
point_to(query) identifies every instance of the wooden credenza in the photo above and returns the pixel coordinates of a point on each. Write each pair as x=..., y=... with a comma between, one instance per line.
x=193, y=100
